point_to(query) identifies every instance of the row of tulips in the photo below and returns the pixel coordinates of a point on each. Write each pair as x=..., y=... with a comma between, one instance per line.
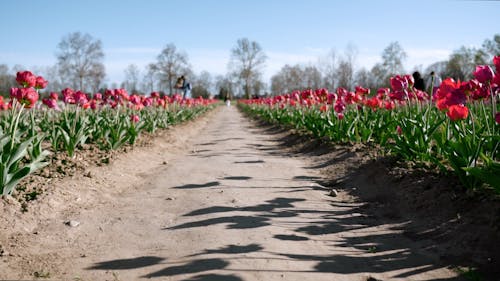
x=31, y=129
x=454, y=129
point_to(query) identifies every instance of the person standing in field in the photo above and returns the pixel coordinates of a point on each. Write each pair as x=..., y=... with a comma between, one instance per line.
x=185, y=86
x=419, y=81
x=434, y=82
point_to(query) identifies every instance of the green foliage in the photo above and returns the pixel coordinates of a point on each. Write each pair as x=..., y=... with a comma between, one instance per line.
x=415, y=132
x=21, y=155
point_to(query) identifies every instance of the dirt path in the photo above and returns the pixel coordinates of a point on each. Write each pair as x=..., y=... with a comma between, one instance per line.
x=216, y=200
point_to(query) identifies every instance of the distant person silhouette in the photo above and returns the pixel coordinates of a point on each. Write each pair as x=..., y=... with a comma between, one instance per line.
x=185, y=86
x=434, y=82
x=419, y=81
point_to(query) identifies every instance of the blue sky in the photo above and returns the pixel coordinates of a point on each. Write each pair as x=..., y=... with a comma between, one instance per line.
x=289, y=31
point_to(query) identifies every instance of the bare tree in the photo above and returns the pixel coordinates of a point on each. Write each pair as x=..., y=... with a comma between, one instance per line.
x=7, y=80
x=132, y=74
x=379, y=76
x=80, y=59
x=288, y=79
x=461, y=63
x=345, y=67
x=491, y=48
x=51, y=74
x=297, y=77
x=202, y=85
x=345, y=73
x=311, y=77
x=363, y=78
x=247, y=59
x=148, y=79
x=328, y=67
x=224, y=86
x=171, y=64
x=393, y=58
x=438, y=67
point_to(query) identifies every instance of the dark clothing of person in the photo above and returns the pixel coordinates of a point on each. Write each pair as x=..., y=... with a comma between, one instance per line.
x=419, y=84
x=419, y=81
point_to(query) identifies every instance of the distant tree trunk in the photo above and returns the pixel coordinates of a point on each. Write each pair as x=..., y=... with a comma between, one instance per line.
x=80, y=60
x=246, y=60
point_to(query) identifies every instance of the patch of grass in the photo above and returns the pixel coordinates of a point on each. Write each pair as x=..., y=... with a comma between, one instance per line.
x=470, y=273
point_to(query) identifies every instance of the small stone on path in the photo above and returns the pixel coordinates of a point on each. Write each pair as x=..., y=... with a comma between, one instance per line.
x=72, y=223
x=333, y=193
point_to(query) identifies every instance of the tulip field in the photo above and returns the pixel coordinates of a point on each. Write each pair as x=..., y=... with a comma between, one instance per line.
x=455, y=129
x=31, y=130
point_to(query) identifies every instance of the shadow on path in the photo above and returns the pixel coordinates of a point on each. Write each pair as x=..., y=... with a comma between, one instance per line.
x=193, y=186
x=128, y=263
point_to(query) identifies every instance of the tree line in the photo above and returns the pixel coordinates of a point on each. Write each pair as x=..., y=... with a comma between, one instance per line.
x=80, y=66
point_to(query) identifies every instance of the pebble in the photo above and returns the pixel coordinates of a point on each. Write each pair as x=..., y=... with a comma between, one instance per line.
x=4, y=253
x=169, y=198
x=333, y=193
x=72, y=223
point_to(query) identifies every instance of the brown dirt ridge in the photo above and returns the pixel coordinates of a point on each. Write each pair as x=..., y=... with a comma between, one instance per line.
x=228, y=199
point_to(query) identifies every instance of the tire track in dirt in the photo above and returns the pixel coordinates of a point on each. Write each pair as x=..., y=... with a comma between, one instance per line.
x=229, y=204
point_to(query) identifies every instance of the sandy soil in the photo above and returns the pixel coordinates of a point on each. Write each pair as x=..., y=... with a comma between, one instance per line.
x=224, y=199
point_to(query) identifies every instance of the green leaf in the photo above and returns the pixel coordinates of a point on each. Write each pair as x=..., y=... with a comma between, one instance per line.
x=14, y=180
x=20, y=152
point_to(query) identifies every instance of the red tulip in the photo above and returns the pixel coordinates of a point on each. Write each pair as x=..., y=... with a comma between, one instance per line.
x=374, y=103
x=399, y=95
x=51, y=103
x=68, y=96
x=339, y=106
x=362, y=91
x=497, y=117
x=26, y=96
x=80, y=98
x=389, y=105
x=496, y=79
x=399, y=130
x=483, y=73
x=457, y=112
x=26, y=79
x=40, y=83
x=54, y=96
x=496, y=62
x=409, y=80
x=399, y=83
x=147, y=102
x=134, y=118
